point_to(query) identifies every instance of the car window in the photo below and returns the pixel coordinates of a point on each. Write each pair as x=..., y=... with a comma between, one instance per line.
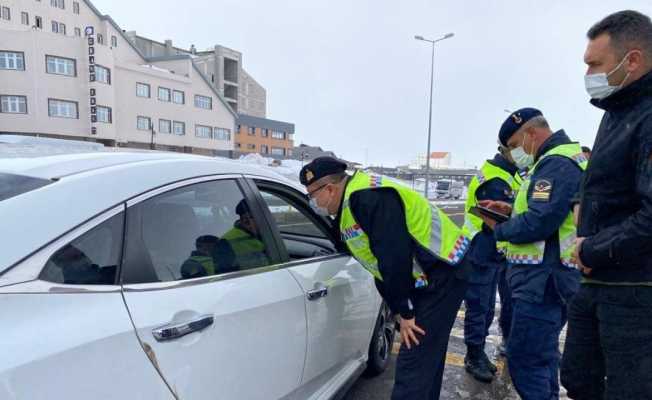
x=302, y=234
x=198, y=230
x=289, y=219
x=91, y=259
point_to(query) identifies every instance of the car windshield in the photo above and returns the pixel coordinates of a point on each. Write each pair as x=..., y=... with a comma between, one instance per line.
x=13, y=185
x=443, y=185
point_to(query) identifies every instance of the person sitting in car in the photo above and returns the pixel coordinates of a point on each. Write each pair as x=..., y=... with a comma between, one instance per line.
x=200, y=262
x=243, y=242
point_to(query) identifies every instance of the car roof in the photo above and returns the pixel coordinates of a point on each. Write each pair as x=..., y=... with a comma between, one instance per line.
x=87, y=184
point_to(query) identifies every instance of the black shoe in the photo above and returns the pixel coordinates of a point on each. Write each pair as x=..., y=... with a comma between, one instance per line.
x=491, y=366
x=475, y=365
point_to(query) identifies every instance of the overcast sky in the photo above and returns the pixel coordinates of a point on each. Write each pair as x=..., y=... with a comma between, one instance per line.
x=351, y=77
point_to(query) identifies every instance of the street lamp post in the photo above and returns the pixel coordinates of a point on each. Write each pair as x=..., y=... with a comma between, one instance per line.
x=432, y=71
x=151, y=141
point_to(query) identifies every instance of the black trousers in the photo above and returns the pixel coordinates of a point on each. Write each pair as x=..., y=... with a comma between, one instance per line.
x=608, y=351
x=419, y=370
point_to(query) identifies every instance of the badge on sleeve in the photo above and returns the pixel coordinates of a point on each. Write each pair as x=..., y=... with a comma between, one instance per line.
x=542, y=190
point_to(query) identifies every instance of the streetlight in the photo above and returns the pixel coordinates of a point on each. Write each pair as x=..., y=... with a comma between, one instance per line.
x=151, y=142
x=432, y=69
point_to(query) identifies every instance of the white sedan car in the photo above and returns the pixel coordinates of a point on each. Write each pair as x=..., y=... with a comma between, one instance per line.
x=127, y=275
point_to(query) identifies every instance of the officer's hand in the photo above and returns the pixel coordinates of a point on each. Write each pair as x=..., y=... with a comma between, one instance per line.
x=491, y=223
x=576, y=257
x=409, y=330
x=498, y=206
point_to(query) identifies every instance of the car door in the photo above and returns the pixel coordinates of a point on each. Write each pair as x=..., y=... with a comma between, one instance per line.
x=218, y=320
x=341, y=299
x=66, y=334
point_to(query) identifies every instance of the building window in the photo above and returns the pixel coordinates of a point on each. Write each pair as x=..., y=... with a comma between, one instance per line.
x=278, y=135
x=5, y=13
x=237, y=129
x=179, y=128
x=63, y=109
x=24, y=18
x=238, y=145
x=58, y=27
x=264, y=132
x=61, y=66
x=114, y=41
x=143, y=123
x=38, y=22
x=278, y=151
x=202, y=131
x=12, y=60
x=164, y=126
x=78, y=32
x=164, y=94
x=13, y=104
x=221, y=134
x=100, y=38
x=58, y=4
x=102, y=74
x=142, y=90
x=178, y=97
x=203, y=102
x=104, y=114
x=75, y=7
x=251, y=130
x=251, y=146
x=264, y=149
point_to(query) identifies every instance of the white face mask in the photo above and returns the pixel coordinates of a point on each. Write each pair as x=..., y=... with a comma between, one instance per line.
x=323, y=211
x=521, y=159
x=597, y=85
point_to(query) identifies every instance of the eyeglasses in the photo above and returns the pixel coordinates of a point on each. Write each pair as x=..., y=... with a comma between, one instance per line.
x=312, y=194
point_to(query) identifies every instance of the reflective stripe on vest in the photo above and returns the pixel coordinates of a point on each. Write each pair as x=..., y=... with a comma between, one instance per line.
x=472, y=224
x=532, y=253
x=427, y=224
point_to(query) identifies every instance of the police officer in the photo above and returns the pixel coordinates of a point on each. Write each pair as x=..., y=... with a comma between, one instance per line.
x=541, y=236
x=495, y=181
x=242, y=244
x=200, y=262
x=414, y=251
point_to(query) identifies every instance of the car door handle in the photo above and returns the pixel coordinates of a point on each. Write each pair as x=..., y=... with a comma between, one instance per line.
x=177, y=330
x=317, y=294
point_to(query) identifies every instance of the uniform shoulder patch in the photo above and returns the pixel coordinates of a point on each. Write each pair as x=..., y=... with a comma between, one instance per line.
x=542, y=190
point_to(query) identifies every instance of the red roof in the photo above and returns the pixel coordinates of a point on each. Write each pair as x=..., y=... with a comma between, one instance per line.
x=439, y=154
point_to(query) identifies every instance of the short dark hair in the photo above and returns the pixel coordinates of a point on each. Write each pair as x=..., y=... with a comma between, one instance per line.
x=627, y=29
x=585, y=149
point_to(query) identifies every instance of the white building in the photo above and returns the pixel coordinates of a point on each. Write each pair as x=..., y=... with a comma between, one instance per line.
x=60, y=79
x=438, y=160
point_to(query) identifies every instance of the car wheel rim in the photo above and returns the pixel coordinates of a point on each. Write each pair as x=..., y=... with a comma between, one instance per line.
x=382, y=342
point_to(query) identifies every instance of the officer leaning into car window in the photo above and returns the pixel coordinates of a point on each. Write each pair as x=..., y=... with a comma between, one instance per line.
x=414, y=251
x=541, y=235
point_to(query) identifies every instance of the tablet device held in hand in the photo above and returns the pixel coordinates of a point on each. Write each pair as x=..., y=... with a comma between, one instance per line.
x=487, y=212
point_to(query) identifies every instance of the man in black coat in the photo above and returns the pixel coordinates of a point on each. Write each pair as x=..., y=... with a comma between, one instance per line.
x=610, y=318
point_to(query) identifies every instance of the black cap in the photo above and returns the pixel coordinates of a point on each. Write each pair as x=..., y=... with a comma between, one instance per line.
x=319, y=168
x=242, y=208
x=206, y=239
x=515, y=121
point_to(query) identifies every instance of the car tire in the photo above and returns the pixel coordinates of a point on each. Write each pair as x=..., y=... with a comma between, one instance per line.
x=382, y=342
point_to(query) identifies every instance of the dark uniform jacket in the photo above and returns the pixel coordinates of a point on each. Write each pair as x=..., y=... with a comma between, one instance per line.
x=616, y=198
x=380, y=214
x=483, y=254
x=542, y=222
